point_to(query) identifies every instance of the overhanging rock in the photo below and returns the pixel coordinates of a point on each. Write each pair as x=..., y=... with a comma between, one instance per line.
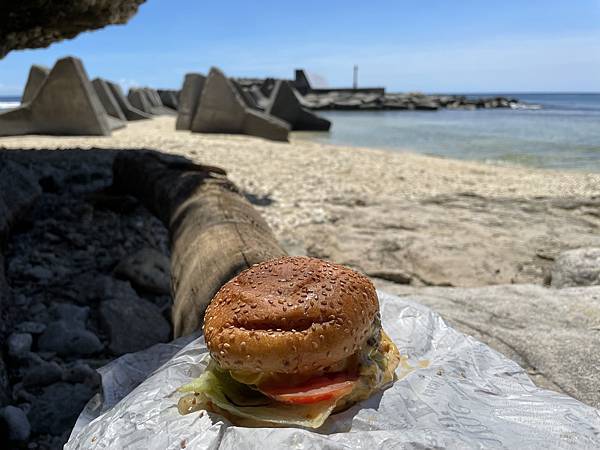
x=65, y=104
x=223, y=110
x=130, y=111
x=107, y=99
x=285, y=105
x=189, y=98
x=37, y=75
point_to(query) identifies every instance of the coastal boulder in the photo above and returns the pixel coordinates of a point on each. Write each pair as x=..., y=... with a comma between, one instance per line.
x=579, y=267
x=130, y=111
x=285, y=105
x=189, y=98
x=37, y=75
x=223, y=110
x=108, y=100
x=65, y=104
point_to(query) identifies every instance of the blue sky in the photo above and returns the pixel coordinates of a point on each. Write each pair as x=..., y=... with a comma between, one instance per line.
x=418, y=45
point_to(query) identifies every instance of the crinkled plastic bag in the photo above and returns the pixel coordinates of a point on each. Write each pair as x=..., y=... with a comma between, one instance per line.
x=452, y=392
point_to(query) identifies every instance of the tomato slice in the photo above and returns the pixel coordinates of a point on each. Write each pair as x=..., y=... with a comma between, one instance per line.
x=314, y=390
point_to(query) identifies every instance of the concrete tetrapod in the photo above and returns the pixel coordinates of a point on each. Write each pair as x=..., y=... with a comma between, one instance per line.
x=37, y=75
x=189, y=98
x=107, y=99
x=130, y=111
x=65, y=104
x=285, y=105
x=148, y=100
x=222, y=110
x=169, y=98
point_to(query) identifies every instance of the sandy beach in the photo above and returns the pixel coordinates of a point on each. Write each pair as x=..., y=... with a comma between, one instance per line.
x=401, y=216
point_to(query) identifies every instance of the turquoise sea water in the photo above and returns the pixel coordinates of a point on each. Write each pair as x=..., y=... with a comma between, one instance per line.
x=564, y=133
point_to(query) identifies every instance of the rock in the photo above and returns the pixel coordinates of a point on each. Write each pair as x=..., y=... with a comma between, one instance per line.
x=19, y=190
x=37, y=75
x=42, y=374
x=453, y=239
x=579, y=267
x=30, y=327
x=130, y=111
x=34, y=24
x=552, y=333
x=147, y=269
x=189, y=98
x=39, y=273
x=285, y=105
x=222, y=110
x=19, y=344
x=46, y=417
x=61, y=337
x=71, y=314
x=82, y=373
x=16, y=423
x=120, y=317
x=65, y=104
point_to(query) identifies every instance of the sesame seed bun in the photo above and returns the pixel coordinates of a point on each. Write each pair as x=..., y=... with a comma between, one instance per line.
x=290, y=315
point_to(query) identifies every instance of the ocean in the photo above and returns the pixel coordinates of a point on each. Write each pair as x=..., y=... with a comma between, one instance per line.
x=559, y=131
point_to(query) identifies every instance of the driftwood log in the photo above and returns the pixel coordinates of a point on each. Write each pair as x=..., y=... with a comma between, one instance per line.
x=215, y=232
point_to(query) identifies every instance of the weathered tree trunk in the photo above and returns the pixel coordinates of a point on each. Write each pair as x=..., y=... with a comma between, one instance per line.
x=215, y=232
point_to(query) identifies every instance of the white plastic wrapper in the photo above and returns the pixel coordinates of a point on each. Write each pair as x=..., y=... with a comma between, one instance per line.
x=452, y=392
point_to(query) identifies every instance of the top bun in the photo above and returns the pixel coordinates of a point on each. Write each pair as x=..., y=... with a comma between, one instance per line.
x=290, y=315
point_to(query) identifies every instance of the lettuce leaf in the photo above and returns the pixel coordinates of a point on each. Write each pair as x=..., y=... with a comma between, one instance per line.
x=242, y=401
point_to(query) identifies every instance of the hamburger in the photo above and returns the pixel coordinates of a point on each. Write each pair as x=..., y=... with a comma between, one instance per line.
x=291, y=341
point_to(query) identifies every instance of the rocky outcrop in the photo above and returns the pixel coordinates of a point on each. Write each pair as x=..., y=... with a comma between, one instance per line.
x=552, y=333
x=579, y=267
x=35, y=24
x=223, y=110
x=65, y=104
x=454, y=239
x=59, y=273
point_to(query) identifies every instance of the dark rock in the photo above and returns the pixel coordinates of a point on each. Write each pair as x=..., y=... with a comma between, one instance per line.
x=120, y=317
x=71, y=314
x=42, y=374
x=579, y=267
x=147, y=269
x=18, y=344
x=82, y=373
x=19, y=189
x=35, y=24
x=16, y=423
x=61, y=337
x=38, y=273
x=30, y=327
x=45, y=415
